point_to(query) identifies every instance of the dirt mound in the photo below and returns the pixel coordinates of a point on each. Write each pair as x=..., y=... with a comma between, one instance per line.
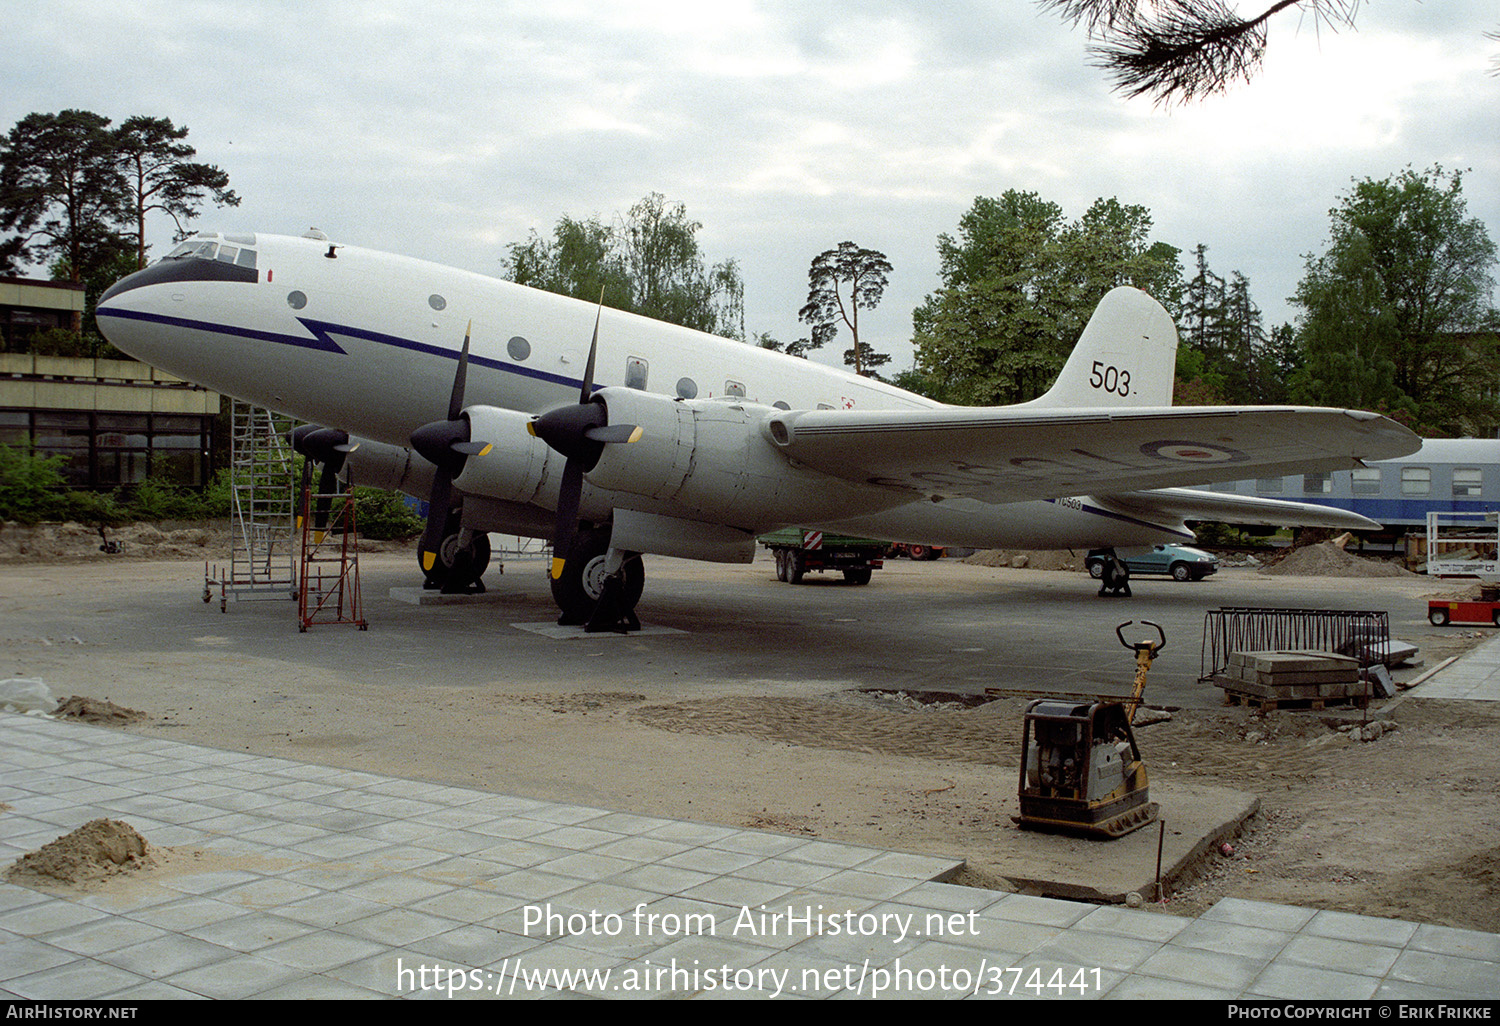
x=94, y=852
x=1328, y=560
x=95, y=710
x=1028, y=559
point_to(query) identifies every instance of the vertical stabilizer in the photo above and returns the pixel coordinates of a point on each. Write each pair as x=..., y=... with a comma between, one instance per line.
x=1126, y=357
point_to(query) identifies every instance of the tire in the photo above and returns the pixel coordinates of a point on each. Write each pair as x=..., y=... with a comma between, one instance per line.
x=1439, y=617
x=1096, y=569
x=923, y=552
x=780, y=556
x=858, y=575
x=577, y=591
x=795, y=566
x=457, y=568
x=1495, y=617
x=1180, y=572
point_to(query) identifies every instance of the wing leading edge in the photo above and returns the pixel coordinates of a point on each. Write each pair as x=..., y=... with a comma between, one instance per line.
x=1014, y=454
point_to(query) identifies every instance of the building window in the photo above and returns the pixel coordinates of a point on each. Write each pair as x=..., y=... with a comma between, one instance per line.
x=1416, y=480
x=1365, y=481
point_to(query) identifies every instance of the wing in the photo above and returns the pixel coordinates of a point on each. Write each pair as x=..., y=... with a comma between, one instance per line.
x=1190, y=504
x=1013, y=454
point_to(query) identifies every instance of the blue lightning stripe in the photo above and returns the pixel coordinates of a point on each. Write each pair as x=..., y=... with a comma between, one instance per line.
x=322, y=340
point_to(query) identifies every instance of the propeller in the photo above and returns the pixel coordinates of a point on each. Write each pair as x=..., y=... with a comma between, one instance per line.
x=446, y=444
x=328, y=447
x=579, y=432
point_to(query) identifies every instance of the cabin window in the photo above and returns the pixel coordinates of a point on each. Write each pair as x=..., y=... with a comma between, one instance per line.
x=635, y=372
x=1365, y=481
x=1416, y=480
x=782, y=404
x=1468, y=483
x=1317, y=484
x=437, y=302
x=734, y=388
x=687, y=388
x=825, y=406
x=1268, y=485
x=296, y=300
x=518, y=348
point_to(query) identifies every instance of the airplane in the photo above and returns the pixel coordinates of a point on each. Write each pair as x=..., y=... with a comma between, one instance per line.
x=484, y=397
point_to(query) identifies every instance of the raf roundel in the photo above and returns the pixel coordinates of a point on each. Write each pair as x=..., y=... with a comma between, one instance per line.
x=1193, y=452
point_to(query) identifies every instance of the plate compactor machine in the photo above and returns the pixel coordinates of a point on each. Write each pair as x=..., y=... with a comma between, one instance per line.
x=1081, y=771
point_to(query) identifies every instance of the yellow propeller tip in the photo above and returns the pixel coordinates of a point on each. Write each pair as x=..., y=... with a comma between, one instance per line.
x=486, y=450
x=635, y=436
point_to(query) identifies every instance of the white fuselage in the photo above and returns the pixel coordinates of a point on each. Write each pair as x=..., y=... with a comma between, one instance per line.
x=369, y=342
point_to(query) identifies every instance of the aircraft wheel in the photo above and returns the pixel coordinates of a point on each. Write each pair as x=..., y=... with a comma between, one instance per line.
x=459, y=568
x=577, y=591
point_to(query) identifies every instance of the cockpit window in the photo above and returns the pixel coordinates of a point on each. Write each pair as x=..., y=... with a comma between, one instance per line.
x=202, y=248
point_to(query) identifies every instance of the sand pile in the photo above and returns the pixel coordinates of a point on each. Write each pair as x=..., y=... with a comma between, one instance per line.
x=1028, y=559
x=1327, y=559
x=94, y=852
x=94, y=710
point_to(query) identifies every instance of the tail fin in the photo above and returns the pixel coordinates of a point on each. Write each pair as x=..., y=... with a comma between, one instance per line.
x=1126, y=357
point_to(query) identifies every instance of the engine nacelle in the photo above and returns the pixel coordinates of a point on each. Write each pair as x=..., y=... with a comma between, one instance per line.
x=711, y=458
x=518, y=467
x=389, y=467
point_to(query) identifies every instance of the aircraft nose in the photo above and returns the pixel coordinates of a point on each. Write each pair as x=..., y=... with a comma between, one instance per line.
x=134, y=280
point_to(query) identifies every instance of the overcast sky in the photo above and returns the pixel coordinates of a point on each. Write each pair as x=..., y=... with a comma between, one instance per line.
x=447, y=130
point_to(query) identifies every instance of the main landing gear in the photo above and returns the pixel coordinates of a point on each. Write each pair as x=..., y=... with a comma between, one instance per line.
x=599, y=586
x=462, y=558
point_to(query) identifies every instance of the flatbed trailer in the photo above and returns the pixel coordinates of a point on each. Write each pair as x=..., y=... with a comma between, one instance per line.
x=800, y=550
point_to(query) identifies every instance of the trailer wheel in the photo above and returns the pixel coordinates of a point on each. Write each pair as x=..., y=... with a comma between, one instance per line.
x=858, y=575
x=795, y=566
x=1495, y=617
x=1439, y=616
x=780, y=557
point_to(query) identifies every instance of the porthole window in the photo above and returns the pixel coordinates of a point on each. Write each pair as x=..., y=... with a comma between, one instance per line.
x=296, y=300
x=437, y=302
x=782, y=404
x=518, y=348
x=687, y=388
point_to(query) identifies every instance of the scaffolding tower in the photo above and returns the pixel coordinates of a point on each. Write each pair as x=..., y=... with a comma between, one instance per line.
x=329, y=592
x=262, y=527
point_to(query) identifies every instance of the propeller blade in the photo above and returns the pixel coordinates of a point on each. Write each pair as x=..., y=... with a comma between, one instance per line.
x=626, y=433
x=460, y=377
x=445, y=444
x=569, y=494
x=328, y=484
x=588, y=369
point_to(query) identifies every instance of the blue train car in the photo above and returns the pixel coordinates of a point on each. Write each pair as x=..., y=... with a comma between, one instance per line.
x=1446, y=475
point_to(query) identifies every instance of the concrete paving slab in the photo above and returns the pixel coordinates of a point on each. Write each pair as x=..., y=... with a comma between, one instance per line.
x=620, y=906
